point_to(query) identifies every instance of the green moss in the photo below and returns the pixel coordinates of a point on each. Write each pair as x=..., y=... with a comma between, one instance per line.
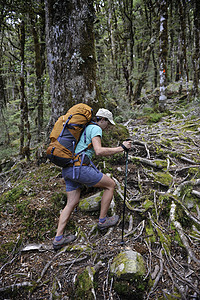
x=21, y=207
x=126, y=265
x=147, y=204
x=113, y=135
x=164, y=239
x=10, y=247
x=79, y=248
x=5, y=250
x=91, y=204
x=13, y=195
x=163, y=178
x=150, y=233
x=194, y=171
x=128, y=269
x=160, y=163
x=167, y=142
x=177, y=238
x=84, y=284
x=154, y=117
x=59, y=200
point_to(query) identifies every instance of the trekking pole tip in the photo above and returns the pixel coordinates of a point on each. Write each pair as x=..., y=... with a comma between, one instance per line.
x=122, y=243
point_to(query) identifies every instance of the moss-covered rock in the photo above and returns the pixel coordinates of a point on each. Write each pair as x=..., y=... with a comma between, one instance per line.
x=91, y=203
x=128, y=269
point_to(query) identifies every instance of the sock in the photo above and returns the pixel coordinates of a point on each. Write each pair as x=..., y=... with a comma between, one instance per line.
x=58, y=238
x=102, y=220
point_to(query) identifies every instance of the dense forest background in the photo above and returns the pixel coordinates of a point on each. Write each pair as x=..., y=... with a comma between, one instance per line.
x=140, y=46
x=140, y=59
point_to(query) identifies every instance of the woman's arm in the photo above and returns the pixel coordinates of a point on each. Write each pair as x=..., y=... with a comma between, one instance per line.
x=104, y=151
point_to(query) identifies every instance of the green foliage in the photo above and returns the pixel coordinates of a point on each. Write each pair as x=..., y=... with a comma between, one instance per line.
x=35, y=214
x=118, y=69
x=154, y=117
x=84, y=284
x=150, y=233
x=113, y=135
x=5, y=250
x=12, y=196
x=59, y=200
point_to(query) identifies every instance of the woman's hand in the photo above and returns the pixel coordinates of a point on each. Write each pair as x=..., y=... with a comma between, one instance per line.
x=127, y=144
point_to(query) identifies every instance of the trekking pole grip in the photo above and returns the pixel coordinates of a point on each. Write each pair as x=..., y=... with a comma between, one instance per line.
x=124, y=147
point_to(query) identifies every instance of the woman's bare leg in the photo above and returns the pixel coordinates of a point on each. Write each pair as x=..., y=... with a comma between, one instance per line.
x=108, y=185
x=73, y=198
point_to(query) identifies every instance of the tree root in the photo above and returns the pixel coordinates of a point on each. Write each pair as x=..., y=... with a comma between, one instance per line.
x=181, y=234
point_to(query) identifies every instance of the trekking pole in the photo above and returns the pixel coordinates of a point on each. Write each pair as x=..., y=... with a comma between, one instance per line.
x=125, y=183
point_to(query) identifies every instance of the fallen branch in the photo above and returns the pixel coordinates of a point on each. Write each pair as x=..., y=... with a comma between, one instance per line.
x=185, y=183
x=136, y=142
x=186, y=211
x=151, y=163
x=15, y=286
x=186, y=168
x=195, y=193
x=158, y=276
x=50, y=262
x=180, y=276
x=76, y=260
x=181, y=234
x=9, y=262
x=186, y=159
x=149, y=263
x=130, y=227
x=139, y=226
x=175, y=284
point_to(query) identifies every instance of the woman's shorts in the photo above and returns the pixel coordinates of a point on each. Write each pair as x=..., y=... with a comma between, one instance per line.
x=85, y=175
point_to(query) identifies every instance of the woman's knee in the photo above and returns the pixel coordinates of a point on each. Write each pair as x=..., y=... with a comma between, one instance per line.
x=106, y=183
x=110, y=184
x=113, y=184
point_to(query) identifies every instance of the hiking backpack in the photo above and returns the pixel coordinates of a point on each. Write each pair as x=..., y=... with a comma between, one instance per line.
x=66, y=134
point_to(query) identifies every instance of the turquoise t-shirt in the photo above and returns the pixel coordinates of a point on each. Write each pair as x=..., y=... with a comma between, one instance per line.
x=91, y=131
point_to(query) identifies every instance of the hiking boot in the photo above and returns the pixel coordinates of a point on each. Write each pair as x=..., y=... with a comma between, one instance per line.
x=64, y=241
x=110, y=221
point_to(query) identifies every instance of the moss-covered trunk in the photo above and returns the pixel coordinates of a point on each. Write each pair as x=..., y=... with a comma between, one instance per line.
x=25, y=135
x=196, y=52
x=39, y=69
x=70, y=53
x=163, y=52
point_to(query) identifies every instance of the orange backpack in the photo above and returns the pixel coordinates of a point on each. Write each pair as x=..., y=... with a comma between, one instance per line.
x=66, y=134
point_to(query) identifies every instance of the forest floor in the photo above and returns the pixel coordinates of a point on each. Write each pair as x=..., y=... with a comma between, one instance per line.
x=162, y=220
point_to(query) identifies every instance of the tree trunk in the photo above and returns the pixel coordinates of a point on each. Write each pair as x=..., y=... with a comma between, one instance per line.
x=70, y=54
x=171, y=49
x=128, y=65
x=111, y=32
x=25, y=135
x=184, y=66
x=196, y=51
x=142, y=78
x=149, y=12
x=39, y=69
x=163, y=53
x=2, y=88
x=155, y=70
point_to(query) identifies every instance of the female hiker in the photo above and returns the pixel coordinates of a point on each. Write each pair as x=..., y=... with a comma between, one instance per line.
x=89, y=176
